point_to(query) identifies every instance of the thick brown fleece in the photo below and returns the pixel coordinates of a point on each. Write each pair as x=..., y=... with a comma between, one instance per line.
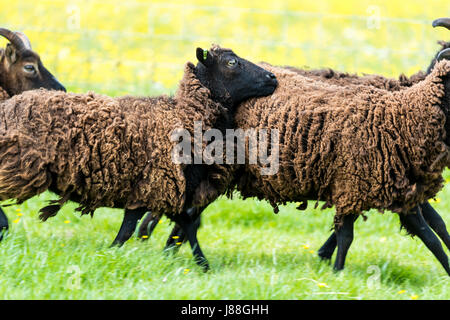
x=341, y=78
x=377, y=81
x=221, y=177
x=100, y=151
x=3, y=94
x=354, y=147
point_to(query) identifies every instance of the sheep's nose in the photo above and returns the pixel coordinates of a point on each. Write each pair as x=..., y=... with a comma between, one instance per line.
x=270, y=75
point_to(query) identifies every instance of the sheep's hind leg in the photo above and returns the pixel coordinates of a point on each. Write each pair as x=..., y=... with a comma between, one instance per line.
x=416, y=225
x=3, y=224
x=430, y=215
x=189, y=224
x=148, y=225
x=344, y=238
x=129, y=222
x=436, y=223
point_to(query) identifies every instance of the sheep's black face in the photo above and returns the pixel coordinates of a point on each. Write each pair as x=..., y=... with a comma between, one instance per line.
x=232, y=79
x=22, y=68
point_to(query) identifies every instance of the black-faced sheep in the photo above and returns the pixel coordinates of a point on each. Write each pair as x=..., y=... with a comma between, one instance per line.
x=117, y=152
x=21, y=69
x=343, y=79
x=354, y=147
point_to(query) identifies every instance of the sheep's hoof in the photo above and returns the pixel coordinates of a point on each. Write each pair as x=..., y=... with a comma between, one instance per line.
x=324, y=256
x=203, y=263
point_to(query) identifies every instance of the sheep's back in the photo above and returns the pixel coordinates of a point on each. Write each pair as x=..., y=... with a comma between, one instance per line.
x=354, y=147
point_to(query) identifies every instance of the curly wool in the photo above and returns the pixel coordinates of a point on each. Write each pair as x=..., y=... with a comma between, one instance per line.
x=354, y=147
x=377, y=81
x=3, y=94
x=100, y=151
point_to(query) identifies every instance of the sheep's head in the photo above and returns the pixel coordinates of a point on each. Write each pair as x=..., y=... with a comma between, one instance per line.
x=445, y=23
x=232, y=79
x=21, y=68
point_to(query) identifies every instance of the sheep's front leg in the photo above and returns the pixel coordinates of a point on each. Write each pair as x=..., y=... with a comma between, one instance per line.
x=189, y=225
x=177, y=237
x=415, y=224
x=130, y=220
x=326, y=250
x=147, y=226
x=436, y=222
x=3, y=224
x=344, y=238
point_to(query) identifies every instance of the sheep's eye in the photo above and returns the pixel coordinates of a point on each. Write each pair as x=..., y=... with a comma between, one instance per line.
x=29, y=68
x=232, y=62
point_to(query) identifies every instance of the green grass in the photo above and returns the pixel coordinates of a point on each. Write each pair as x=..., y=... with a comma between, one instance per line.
x=254, y=254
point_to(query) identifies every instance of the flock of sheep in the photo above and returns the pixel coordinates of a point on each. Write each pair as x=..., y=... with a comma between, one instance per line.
x=354, y=142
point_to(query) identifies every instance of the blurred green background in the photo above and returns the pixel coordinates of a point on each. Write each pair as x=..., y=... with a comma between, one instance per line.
x=139, y=47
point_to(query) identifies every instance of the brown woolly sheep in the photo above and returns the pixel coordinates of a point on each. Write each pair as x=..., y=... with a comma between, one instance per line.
x=21, y=69
x=434, y=220
x=354, y=147
x=117, y=152
x=340, y=79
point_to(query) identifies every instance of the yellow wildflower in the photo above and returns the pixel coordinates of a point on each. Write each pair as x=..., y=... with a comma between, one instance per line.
x=17, y=220
x=179, y=243
x=144, y=237
x=20, y=214
x=401, y=291
x=186, y=271
x=322, y=285
x=175, y=237
x=414, y=297
x=67, y=221
x=305, y=246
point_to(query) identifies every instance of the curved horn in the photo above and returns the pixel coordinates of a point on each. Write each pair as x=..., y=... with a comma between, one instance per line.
x=26, y=42
x=12, y=37
x=442, y=22
x=444, y=54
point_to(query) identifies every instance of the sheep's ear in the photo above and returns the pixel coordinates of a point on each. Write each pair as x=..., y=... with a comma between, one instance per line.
x=204, y=56
x=444, y=55
x=11, y=53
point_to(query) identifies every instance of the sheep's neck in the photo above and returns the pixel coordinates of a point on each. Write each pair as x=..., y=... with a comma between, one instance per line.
x=218, y=92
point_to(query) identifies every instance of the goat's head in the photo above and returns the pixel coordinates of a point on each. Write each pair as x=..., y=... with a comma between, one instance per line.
x=232, y=79
x=21, y=68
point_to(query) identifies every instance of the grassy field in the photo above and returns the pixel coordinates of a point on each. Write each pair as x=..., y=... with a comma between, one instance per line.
x=139, y=47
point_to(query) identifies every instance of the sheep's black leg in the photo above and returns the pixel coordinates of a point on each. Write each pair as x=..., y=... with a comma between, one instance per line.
x=130, y=220
x=189, y=225
x=177, y=236
x=436, y=222
x=344, y=237
x=3, y=224
x=148, y=225
x=176, y=239
x=416, y=225
x=326, y=251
